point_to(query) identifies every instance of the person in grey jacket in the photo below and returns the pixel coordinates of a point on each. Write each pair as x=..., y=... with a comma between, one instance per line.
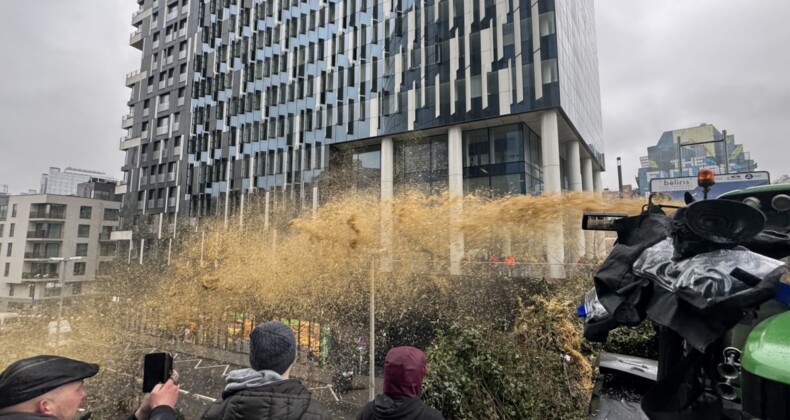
x=265, y=391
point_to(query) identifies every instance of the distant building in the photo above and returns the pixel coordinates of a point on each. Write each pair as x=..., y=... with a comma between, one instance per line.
x=36, y=228
x=65, y=182
x=685, y=151
x=784, y=179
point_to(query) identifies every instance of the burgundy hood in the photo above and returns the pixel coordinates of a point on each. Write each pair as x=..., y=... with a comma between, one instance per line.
x=404, y=368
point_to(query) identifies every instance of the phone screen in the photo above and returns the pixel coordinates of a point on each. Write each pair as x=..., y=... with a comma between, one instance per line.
x=157, y=368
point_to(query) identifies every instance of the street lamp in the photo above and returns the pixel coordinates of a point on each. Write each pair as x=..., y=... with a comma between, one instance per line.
x=60, y=304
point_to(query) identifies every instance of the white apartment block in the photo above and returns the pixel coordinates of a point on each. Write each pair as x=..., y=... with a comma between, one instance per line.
x=38, y=232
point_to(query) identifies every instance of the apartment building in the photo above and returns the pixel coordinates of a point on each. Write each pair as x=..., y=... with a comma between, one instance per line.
x=271, y=97
x=48, y=241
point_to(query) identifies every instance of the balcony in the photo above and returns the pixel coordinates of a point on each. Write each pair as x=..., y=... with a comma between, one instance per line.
x=176, y=126
x=136, y=39
x=44, y=234
x=164, y=106
x=162, y=84
x=181, y=79
x=56, y=215
x=145, y=112
x=181, y=101
x=40, y=276
x=40, y=255
x=135, y=77
x=127, y=142
x=154, y=45
x=172, y=15
x=121, y=188
x=182, y=32
x=139, y=15
x=161, y=130
x=182, y=54
x=127, y=121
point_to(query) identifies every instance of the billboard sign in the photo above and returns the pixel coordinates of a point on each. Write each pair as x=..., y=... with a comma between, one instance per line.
x=676, y=187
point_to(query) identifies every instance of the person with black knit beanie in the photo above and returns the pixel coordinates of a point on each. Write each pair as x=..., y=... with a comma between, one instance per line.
x=265, y=390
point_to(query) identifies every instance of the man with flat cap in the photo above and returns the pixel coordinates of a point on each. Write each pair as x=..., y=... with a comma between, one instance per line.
x=265, y=391
x=51, y=387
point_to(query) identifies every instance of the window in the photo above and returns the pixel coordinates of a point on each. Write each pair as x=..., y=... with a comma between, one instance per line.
x=83, y=231
x=11, y=230
x=85, y=212
x=82, y=250
x=52, y=289
x=79, y=268
x=7, y=269
x=76, y=288
x=106, y=249
x=111, y=214
x=2, y=226
x=3, y=211
x=13, y=210
x=8, y=249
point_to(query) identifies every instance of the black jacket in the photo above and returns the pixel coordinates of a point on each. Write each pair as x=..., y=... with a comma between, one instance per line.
x=24, y=416
x=161, y=412
x=282, y=400
x=384, y=407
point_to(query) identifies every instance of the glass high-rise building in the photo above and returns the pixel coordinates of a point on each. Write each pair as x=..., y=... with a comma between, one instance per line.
x=237, y=97
x=683, y=152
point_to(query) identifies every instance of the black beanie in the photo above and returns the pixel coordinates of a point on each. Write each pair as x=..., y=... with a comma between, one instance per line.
x=272, y=347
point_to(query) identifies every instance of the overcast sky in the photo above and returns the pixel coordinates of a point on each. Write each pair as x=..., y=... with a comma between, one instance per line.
x=663, y=65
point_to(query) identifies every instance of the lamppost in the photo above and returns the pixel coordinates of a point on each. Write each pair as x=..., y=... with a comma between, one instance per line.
x=60, y=304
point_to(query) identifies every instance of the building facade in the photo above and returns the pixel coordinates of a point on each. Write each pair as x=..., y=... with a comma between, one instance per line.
x=238, y=97
x=65, y=182
x=685, y=151
x=38, y=229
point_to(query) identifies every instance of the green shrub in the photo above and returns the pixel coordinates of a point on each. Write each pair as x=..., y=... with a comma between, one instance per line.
x=477, y=372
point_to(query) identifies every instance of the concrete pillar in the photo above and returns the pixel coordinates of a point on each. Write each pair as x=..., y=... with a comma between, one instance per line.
x=587, y=183
x=387, y=192
x=552, y=184
x=266, y=211
x=315, y=200
x=597, y=183
x=574, y=166
x=575, y=233
x=455, y=178
x=587, y=175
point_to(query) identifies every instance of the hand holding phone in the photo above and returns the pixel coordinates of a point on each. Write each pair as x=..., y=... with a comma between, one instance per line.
x=157, y=368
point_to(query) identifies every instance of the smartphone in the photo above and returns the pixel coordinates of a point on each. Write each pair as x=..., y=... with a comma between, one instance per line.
x=157, y=368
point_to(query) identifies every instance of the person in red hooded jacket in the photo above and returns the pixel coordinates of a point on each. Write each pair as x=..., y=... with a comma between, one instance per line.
x=404, y=368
